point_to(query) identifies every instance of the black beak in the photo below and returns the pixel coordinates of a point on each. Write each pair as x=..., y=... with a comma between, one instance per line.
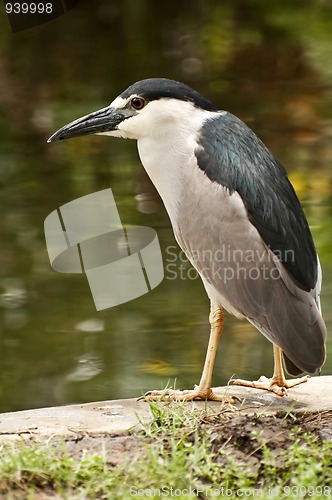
x=104, y=120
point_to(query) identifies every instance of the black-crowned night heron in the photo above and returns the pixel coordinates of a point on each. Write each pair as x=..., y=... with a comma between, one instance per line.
x=235, y=215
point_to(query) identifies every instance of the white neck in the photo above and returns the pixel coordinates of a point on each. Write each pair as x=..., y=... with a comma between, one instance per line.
x=165, y=171
x=168, y=157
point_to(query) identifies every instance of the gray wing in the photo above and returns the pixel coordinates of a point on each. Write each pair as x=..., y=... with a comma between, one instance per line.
x=230, y=154
x=242, y=273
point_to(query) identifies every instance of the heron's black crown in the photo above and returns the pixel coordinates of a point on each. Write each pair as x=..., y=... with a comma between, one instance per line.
x=153, y=89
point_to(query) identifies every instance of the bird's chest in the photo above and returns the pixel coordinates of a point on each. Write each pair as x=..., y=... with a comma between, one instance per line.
x=200, y=211
x=208, y=217
x=168, y=164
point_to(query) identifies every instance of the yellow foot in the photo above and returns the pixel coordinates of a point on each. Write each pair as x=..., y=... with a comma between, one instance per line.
x=197, y=393
x=275, y=385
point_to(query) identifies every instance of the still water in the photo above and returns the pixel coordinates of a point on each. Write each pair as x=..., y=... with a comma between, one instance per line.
x=55, y=347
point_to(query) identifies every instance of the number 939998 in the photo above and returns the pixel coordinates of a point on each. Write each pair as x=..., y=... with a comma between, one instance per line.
x=28, y=8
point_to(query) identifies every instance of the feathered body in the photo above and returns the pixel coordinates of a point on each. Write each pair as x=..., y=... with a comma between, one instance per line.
x=245, y=233
x=233, y=211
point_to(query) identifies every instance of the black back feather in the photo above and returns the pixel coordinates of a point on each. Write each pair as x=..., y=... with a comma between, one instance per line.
x=231, y=154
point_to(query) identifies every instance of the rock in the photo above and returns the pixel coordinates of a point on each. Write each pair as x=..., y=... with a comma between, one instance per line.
x=116, y=417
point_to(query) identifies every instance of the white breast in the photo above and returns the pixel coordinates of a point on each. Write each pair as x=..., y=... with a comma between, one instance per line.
x=167, y=151
x=199, y=210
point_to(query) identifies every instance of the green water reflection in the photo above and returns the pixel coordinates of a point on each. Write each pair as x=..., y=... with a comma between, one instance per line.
x=269, y=64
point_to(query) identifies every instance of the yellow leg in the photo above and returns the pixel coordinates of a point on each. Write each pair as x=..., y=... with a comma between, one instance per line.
x=278, y=383
x=203, y=390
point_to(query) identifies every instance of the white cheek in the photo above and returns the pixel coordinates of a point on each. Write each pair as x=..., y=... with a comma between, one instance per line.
x=151, y=122
x=129, y=128
x=119, y=103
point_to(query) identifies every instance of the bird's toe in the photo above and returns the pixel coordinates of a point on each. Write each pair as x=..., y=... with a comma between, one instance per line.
x=189, y=395
x=275, y=385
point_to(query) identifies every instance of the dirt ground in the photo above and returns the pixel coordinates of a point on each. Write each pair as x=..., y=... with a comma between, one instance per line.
x=234, y=433
x=239, y=435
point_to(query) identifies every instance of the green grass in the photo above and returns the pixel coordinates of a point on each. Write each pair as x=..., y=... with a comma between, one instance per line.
x=186, y=453
x=38, y=467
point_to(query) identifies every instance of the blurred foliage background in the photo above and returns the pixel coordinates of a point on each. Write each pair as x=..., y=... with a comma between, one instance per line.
x=267, y=62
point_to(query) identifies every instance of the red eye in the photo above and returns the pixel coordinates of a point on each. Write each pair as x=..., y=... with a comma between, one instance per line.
x=137, y=103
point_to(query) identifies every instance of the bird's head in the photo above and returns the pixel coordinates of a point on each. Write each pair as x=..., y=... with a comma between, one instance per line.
x=147, y=108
